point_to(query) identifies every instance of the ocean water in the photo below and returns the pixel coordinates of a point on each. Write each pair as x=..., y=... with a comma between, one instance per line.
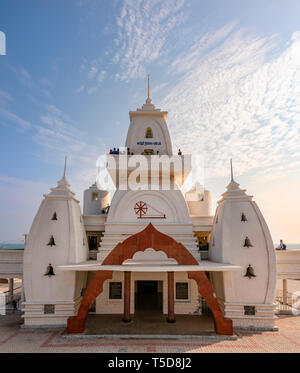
x=12, y=246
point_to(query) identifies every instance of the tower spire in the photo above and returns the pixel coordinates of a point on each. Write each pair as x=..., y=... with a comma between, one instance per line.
x=231, y=170
x=65, y=167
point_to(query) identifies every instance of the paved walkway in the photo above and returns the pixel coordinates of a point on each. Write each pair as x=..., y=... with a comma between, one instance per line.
x=14, y=339
x=150, y=324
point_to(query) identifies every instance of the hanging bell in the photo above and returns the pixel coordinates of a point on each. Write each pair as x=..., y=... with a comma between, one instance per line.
x=247, y=242
x=51, y=241
x=243, y=218
x=250, y=272
x=49, y=271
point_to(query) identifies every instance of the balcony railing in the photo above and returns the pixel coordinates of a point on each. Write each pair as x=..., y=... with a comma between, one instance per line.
x=287, y=303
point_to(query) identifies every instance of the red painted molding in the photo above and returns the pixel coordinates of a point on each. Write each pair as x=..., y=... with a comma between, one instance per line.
x=149, y=238
x=222, y=324
x=76, y=323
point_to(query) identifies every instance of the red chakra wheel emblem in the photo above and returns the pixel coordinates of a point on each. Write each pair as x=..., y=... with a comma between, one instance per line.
x=140, y=208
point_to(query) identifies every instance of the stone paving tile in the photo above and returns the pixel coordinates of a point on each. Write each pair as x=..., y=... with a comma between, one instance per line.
x=15, y=339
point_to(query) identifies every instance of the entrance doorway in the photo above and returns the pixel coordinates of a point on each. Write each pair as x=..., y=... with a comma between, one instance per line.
x=93, y=243
x=148, y=296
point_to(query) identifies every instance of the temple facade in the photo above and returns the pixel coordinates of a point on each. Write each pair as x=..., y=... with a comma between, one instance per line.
x=149, y=246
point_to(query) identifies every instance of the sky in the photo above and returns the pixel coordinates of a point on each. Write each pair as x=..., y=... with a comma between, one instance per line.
x=228, y=73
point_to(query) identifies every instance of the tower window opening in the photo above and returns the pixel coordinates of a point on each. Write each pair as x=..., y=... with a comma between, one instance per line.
x=54, y=217
x=149, y=133
x=95, y=196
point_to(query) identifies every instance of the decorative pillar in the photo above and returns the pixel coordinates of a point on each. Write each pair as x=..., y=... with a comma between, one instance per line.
x=127, y=280
x=284, y=291
x=171, y=312
x=11, y=289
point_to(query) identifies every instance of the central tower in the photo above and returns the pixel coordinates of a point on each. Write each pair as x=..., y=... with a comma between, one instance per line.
x=157, y=197
x=148, y=131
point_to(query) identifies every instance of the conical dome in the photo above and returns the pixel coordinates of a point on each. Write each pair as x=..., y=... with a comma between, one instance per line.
x=240, y=242
x=57, y=236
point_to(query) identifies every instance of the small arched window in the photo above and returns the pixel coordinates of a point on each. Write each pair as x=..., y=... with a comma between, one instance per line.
x=54, y=217
x=149, y=133
x=95, y=196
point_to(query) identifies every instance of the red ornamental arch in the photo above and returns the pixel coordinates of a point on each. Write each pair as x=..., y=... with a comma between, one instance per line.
x=150, y=237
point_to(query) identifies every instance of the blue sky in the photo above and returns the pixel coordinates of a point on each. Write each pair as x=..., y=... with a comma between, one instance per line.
x=228, y=72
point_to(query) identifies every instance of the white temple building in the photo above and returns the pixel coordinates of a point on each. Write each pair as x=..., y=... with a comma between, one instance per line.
x=149, y=241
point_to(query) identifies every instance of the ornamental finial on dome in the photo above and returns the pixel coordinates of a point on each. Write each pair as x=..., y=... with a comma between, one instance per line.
x=231, y=169
x=232, y=182
x=63, y=187
x=233, y=189
x=63, y=182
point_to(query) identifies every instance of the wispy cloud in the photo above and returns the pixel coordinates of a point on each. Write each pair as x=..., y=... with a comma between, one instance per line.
x=144, y=28
x=93, y=70
x=237, y=96
x=4, y=96
x=58, y=135
x=15, y=119
x=95, y=77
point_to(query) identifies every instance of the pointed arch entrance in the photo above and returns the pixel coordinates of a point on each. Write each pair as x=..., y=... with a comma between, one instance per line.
x=149, y=237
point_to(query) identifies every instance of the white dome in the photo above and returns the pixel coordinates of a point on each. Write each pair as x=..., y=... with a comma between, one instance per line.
x=231, y=238
x=57, y=236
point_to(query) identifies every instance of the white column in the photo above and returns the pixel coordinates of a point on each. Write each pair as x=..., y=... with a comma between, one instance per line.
x=284, y=291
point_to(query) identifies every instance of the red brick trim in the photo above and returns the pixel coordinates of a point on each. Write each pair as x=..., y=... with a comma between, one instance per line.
x=222, y=324
x=149, y=238
x=76, y=323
